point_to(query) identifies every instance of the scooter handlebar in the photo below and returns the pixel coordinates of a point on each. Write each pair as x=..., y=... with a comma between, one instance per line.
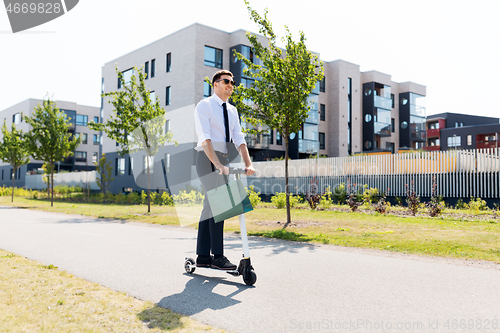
x=237, y=171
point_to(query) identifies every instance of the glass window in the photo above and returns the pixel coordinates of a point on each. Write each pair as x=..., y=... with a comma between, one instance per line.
x=213, y=57
x=82, y=120
x=130, y=165
x=153, y=68
x=310, y=132
x=152, y=97
x=120, y=166
x=454, y=141
x=279, y=139
x=95, y=157
x=207, y=89
x=392, y=101
x=16, y=119
x=404, y=124
x=84, y=138
x=150, y=161
x=169, y=62
x=393, y=125
x=322, y=109
x=167, y=126
x=96, y=140
x=322, y=85
x=167, y=162
x=146, y=69
x=127, y=75
x=96, y=120
x=321, y=140
x=167, y=95
x=80, y=156
x=469, y=140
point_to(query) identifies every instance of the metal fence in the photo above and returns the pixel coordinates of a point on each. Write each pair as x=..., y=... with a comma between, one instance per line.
x=458, y=173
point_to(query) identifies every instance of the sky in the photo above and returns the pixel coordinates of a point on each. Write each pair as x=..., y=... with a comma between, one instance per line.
x=450, y=46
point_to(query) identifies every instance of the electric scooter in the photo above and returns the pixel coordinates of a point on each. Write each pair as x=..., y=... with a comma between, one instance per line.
x=245, y=268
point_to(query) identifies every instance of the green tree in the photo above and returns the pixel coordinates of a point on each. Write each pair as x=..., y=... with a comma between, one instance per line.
x=49, y=140
x=105, y=169
x=137, y=122
x=283, y=82
x=13, y=150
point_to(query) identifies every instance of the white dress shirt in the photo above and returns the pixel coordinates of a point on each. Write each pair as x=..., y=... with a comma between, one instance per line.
x=209, y=124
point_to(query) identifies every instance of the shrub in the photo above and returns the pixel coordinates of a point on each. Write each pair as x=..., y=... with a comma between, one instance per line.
x=167, y=199
x=399, y=201
x=279, y=200
x=477, y=205
x=326, y=199
x=460, y=204
x=144, y=198
x=340, y=194
x=370, y=195
x=312, y=197
x=191, y=198
x=352, y=196
x=435, y=206
x=253, y=196
x=381, y=205
x=152, y=197
x=412, y=199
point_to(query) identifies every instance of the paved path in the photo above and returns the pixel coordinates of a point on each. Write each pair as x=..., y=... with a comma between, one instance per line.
x=300, y=287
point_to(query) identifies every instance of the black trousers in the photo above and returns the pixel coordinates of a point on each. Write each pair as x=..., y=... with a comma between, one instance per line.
x=210, y=234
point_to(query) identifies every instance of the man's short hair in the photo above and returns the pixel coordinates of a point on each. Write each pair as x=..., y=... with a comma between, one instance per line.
x=219, y=74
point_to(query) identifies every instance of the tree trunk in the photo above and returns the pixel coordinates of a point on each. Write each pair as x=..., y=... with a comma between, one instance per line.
x=287, y=191
x=149, y=185
x=13, y=183
x=52, y=184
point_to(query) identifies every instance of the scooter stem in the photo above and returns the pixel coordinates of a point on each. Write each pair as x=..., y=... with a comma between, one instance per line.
x=244, y=238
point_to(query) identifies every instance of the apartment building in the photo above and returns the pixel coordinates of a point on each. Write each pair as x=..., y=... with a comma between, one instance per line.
x=84, y=157
x=461, y=131
x=352, y=111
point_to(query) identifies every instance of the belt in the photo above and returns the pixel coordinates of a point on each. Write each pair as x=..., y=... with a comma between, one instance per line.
x=218, y=153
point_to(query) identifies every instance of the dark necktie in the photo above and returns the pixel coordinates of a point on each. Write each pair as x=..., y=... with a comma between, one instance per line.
x=226, y=121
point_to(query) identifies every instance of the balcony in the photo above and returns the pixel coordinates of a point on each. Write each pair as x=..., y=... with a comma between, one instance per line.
x=382, y=129
x=259, y=141
x=313, y=117
x=486, y=144
x=382, y=102
x=308, y=146
x=433, y=133
x=418, y=135
x=432, y=148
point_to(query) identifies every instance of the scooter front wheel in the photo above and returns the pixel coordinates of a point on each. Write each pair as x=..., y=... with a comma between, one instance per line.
x=189, y=266
x=249, y=277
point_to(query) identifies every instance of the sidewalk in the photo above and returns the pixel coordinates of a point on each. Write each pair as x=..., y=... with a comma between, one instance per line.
x=300, y=287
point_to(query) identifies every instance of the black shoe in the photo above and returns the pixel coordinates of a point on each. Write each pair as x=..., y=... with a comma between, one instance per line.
x=203, y=261
x=223, y=263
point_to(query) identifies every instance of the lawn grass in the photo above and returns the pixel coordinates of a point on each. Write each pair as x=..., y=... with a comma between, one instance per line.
x=456, y=234
x=38, y=298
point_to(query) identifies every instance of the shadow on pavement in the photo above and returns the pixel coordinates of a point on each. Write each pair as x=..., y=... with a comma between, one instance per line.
x=198, y=295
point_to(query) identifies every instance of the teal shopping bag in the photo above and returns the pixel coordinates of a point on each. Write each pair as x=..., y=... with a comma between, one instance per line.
x=229, y=200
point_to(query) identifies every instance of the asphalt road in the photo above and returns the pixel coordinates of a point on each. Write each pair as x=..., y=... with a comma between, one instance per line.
x=300, y=287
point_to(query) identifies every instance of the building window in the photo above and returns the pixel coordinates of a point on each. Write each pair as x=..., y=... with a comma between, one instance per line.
x=16, y=118
x=207, y=89
x=169, y=62
x=80, y=156
x=322, y=85
x=469, y=140
x=271, y=137
x=321, y=140
x=146, y=69
x=167, y=163
x=120, y=166
x=127, y=75
x=393, y=125
x=279, y=139
x=349, y=115
x=213, y=57
x=167, y=96
x=2, y=174
x=96, y=120
x=130, y=165
x=11, y=173
x=322, y=112
x=152, y=97
x=82, y=120
x=454, y=141
x=151, y=163
x=167, y=126
x=153, y=68
x=96, y=140
x=392, y=101
x=95, y=157
x=83, y=137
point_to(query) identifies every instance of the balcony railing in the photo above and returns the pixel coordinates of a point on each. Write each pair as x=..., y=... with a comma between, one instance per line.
x=418, y=135
x=382, y=102
x=313, y=117
x=257, y=141
x=308, y=146
x=433, y=133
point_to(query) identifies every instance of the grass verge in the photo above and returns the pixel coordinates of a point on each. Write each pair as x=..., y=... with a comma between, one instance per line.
x=38, y=298
x=455, y=234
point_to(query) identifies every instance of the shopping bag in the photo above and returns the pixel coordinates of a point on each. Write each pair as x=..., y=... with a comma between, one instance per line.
x=229, y=200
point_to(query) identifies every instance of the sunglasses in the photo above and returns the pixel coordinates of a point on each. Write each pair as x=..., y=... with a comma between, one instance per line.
x=227, y=81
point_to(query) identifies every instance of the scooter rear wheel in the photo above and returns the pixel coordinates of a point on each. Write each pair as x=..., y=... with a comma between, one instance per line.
x=189, y=269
